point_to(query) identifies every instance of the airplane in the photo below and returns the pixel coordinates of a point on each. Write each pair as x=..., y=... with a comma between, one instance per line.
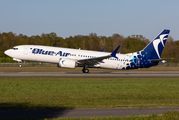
x=72, y=58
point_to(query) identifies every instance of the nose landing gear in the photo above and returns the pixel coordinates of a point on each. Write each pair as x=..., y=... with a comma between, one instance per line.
x=20, y=63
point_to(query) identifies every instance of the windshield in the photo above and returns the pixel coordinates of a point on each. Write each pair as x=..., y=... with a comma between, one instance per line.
x=15, y=48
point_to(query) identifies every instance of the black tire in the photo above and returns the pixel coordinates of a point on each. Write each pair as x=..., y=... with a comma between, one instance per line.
x=85, y=70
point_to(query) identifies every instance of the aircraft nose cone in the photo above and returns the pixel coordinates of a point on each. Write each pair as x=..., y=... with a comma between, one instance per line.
x=7, y=52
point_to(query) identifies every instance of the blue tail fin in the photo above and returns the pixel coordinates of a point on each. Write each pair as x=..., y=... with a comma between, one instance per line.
x=113, y=54
x=154, y=49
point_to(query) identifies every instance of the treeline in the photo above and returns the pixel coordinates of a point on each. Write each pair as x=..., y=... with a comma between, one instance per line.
x=129, y=44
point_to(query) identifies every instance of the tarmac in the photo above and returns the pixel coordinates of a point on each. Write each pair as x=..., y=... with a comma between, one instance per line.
x=93, y=74
x=79, y=113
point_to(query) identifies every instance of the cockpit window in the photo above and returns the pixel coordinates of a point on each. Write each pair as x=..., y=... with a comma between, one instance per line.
x=15, y=48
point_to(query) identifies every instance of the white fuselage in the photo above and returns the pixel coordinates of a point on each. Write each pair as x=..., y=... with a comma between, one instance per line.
x=54, y=54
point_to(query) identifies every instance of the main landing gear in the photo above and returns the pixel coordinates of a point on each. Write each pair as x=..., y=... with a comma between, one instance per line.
x=84, y=70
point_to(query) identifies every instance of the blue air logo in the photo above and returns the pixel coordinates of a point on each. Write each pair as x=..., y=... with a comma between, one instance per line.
x=63, y=62
x=156, y=42
x=52, y=53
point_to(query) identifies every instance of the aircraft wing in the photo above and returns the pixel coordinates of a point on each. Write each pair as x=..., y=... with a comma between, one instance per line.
x=96, y=60
x=93, y=60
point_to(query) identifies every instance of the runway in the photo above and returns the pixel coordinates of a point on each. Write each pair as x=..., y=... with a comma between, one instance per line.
x=102, y=74
x=77, y=113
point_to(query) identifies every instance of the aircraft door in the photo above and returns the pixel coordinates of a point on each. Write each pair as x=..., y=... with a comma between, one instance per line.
x=25, y=50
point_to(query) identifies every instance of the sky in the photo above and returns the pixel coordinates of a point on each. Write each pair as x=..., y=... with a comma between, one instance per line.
x=81, y=17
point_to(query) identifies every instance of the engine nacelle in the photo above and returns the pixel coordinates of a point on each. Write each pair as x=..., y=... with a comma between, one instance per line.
x=67, y=63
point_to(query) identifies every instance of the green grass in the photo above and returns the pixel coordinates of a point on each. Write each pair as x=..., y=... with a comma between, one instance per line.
x=43, y=93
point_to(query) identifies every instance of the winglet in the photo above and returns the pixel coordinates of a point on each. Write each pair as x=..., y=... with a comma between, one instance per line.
x=113, y=54
x=102, y=50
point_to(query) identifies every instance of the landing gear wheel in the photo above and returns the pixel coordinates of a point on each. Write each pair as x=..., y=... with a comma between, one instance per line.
x=85, y=70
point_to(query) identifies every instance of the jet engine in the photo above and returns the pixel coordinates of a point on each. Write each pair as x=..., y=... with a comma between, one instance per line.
x=67, y=63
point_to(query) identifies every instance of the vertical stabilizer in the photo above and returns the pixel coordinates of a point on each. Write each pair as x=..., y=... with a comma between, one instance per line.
x=154, y=49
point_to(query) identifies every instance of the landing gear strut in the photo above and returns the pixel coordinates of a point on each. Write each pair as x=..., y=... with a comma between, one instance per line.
x=85, y=70
x=20, y=63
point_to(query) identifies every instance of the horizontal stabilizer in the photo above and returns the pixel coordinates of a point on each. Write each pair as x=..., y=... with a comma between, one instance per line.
x=158, y=60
